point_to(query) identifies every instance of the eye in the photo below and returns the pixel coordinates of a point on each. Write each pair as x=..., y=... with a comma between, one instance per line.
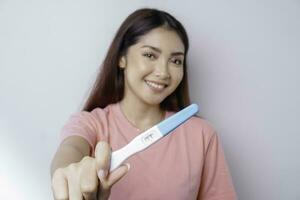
x=151, y=56
x=177, y=61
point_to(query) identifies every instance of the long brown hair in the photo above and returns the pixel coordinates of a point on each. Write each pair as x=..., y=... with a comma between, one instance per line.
x=109, y=85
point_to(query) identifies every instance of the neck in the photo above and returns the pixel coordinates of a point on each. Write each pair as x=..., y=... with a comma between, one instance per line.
x=142, y=116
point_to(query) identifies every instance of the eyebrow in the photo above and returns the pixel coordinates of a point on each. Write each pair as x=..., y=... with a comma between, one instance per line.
x=158, y=50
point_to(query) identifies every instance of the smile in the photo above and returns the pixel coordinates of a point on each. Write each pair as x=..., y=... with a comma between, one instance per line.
x=156, y=86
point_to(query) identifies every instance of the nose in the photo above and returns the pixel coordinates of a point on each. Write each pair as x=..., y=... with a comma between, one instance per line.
x=162, y=71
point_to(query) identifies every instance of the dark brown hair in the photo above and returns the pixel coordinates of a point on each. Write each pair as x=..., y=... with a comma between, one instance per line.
x=109, y=85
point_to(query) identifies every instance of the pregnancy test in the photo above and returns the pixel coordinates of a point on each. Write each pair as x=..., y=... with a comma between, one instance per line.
x=152, y=135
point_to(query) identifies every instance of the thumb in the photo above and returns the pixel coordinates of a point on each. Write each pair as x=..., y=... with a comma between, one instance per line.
x=102, y=157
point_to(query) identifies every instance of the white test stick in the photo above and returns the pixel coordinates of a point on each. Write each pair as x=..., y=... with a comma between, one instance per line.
x=152, y=135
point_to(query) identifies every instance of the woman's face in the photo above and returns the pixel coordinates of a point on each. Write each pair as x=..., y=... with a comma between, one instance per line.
x=153, y=67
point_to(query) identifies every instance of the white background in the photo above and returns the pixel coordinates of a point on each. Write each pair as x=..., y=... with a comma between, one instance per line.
x=244, y=74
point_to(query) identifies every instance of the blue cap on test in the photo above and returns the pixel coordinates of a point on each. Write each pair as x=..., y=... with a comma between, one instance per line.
x=169, y=124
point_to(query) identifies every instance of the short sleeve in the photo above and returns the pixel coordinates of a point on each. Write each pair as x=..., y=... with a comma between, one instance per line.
x=81, y=124
x=216, y=182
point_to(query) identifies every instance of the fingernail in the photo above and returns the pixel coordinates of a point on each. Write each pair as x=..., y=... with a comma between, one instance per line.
x=128, y=166
x=102, y=173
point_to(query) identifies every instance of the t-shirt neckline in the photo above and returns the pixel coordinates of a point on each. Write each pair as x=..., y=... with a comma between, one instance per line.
x=126, y=122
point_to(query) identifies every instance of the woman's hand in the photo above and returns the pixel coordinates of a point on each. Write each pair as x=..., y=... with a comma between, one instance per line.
x=88, y=179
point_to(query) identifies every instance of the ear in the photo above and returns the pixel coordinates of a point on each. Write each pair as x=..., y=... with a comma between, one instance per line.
x=122, y=62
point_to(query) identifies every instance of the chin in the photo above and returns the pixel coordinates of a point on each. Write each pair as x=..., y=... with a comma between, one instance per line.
x=153, y=101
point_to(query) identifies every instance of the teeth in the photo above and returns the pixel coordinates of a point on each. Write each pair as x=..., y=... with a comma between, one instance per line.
x=155, y=85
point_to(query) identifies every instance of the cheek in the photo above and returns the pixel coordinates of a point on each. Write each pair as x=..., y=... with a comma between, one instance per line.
x=177, y=75
x=139, y=67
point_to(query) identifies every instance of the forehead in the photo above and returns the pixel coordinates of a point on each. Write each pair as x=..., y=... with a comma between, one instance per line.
x=162, y=38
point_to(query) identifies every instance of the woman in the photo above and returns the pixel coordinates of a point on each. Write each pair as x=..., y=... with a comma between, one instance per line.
x=143, y=81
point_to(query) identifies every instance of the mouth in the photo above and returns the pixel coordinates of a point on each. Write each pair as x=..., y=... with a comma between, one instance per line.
x=156, y=86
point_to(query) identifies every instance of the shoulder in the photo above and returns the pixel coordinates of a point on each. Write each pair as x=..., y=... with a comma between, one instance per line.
x=199, y=129
x=200, y=124
x=101, y=113
x=96, y=116
x=96, y=112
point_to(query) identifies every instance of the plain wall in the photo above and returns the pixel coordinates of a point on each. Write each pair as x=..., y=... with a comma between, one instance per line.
x=244, y=73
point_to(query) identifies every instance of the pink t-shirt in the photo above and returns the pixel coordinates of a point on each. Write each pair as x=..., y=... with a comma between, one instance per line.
x=186, y=164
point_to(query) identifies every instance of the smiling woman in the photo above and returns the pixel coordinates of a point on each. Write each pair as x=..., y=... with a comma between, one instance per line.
x=131, y=34
x=143, y=80
x=151, y=68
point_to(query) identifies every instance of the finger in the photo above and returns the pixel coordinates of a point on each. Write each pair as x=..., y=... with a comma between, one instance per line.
x=74, y=190
x=117, y=174
x=60, y=185
x=113, y=177
x=73, y=178
x=102, y=156
x=88, y=179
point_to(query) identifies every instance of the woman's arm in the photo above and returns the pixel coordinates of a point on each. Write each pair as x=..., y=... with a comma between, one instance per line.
x=75, y=175
x=72, y=150
x=216, y=182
